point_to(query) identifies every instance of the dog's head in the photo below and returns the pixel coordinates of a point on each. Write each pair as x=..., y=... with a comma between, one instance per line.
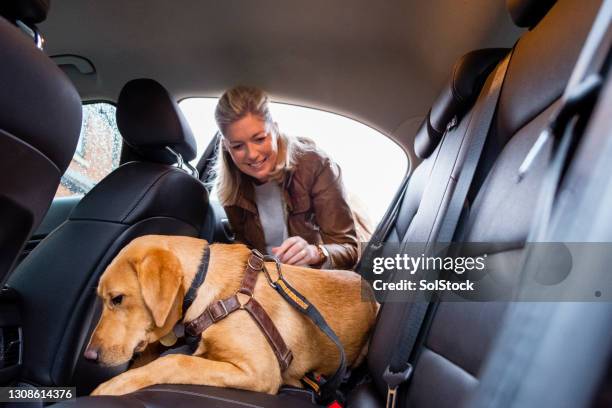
x=141, y=291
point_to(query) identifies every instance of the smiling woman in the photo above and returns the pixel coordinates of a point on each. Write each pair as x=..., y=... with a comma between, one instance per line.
x=252, y=147
x=372, y=164
x=282, y=195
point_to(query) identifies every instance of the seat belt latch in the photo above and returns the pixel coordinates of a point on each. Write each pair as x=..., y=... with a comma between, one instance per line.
x=394, y=380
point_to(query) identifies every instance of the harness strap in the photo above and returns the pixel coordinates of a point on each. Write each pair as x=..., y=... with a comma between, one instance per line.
x=217, y=310
x=220, y=309
x=197, y=280
x=328, y=390
x=255, y=265
x=280, y=349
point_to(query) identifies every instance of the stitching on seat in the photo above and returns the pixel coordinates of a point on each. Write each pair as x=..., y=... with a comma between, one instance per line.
x=244, y=404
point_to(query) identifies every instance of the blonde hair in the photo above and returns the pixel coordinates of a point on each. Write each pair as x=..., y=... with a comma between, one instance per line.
x=235, y=104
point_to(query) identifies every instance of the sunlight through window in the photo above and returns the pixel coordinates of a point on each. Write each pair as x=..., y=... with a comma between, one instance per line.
x=372, y=164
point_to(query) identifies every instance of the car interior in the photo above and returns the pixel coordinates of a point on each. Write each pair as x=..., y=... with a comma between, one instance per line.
x=504, y=109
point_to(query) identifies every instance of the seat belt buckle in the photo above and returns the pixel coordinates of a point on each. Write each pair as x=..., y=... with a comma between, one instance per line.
x=315, y=382
x=394, y=380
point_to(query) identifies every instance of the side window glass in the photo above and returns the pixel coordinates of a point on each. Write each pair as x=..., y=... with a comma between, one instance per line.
x=97, y=152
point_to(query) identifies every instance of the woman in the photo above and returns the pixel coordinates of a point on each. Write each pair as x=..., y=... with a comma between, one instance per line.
x=281, y=194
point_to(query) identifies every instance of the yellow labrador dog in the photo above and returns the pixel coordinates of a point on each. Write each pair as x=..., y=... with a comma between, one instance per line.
x=143, y=290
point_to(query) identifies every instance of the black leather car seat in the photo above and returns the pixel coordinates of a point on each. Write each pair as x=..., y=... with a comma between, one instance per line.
x=57, y=281
x=459, y=335
x=40, y=120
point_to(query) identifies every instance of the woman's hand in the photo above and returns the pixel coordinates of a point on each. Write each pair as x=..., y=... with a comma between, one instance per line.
x=296, y=251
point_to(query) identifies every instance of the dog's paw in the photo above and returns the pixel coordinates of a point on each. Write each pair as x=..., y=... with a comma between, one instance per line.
x=104, y=389
x=116, y=386
x=110, y=387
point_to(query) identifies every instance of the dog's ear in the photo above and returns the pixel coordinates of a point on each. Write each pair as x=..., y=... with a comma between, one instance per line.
x=160, y=276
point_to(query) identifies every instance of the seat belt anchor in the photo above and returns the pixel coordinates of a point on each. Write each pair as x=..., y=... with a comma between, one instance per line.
x=394, y=380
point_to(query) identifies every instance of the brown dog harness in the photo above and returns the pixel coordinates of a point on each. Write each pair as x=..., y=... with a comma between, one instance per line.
x=220, y=309
x=326, y=390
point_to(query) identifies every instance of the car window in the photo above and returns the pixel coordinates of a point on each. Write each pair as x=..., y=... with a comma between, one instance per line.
x=372, y=164
x=97, y=152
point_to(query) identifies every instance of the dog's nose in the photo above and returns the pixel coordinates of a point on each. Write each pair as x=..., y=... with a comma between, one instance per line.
x=91, y=354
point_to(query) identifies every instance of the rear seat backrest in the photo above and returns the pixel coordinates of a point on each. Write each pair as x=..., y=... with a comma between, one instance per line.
x=453, y=102
x=417, y=213
x=461, y=333
x=57, y=281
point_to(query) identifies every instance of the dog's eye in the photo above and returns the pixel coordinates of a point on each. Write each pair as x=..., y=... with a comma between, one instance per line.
x=117, y=300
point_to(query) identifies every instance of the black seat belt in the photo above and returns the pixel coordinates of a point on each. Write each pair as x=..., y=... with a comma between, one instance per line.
x=381, y=233
x=399, y=369
x=578, y=100
x=470, y=156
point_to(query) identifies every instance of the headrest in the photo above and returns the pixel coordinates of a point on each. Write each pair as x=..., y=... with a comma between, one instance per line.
x=28, y=11
x=149, y=120
x=528, y=13
x=38, y=103
x=468, y=75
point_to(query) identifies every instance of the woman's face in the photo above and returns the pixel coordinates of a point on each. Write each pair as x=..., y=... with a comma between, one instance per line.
x=252, y=147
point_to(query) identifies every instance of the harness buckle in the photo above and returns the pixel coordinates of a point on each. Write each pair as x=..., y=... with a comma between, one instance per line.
x=215, y=313
x=315, y=383
x=271, y=282
x=263, y=259
x=394, y=380
x=260, y=258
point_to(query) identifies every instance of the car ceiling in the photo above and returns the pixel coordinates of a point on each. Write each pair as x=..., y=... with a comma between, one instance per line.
x=380, y=62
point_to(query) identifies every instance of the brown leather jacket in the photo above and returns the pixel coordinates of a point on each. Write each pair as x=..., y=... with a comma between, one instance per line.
x=317, y=210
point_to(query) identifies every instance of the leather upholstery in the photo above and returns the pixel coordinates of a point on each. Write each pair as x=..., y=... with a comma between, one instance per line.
x=451, y=363
x=79, y=250
x=527, y=13
x=414, y=224
x=149, y=120
x=186, y=396
x=40, y=120
x=33, y=87
x=28, y=11
x=424, y=144
x=463, y=86
x=457, y=96
x=461, y=334
x=412, y=199
x=556, y=47
x=141, y=190
x=364, y=396
x=57, y=280
x=468, y=75
x=513, y=226
x=440, y=383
